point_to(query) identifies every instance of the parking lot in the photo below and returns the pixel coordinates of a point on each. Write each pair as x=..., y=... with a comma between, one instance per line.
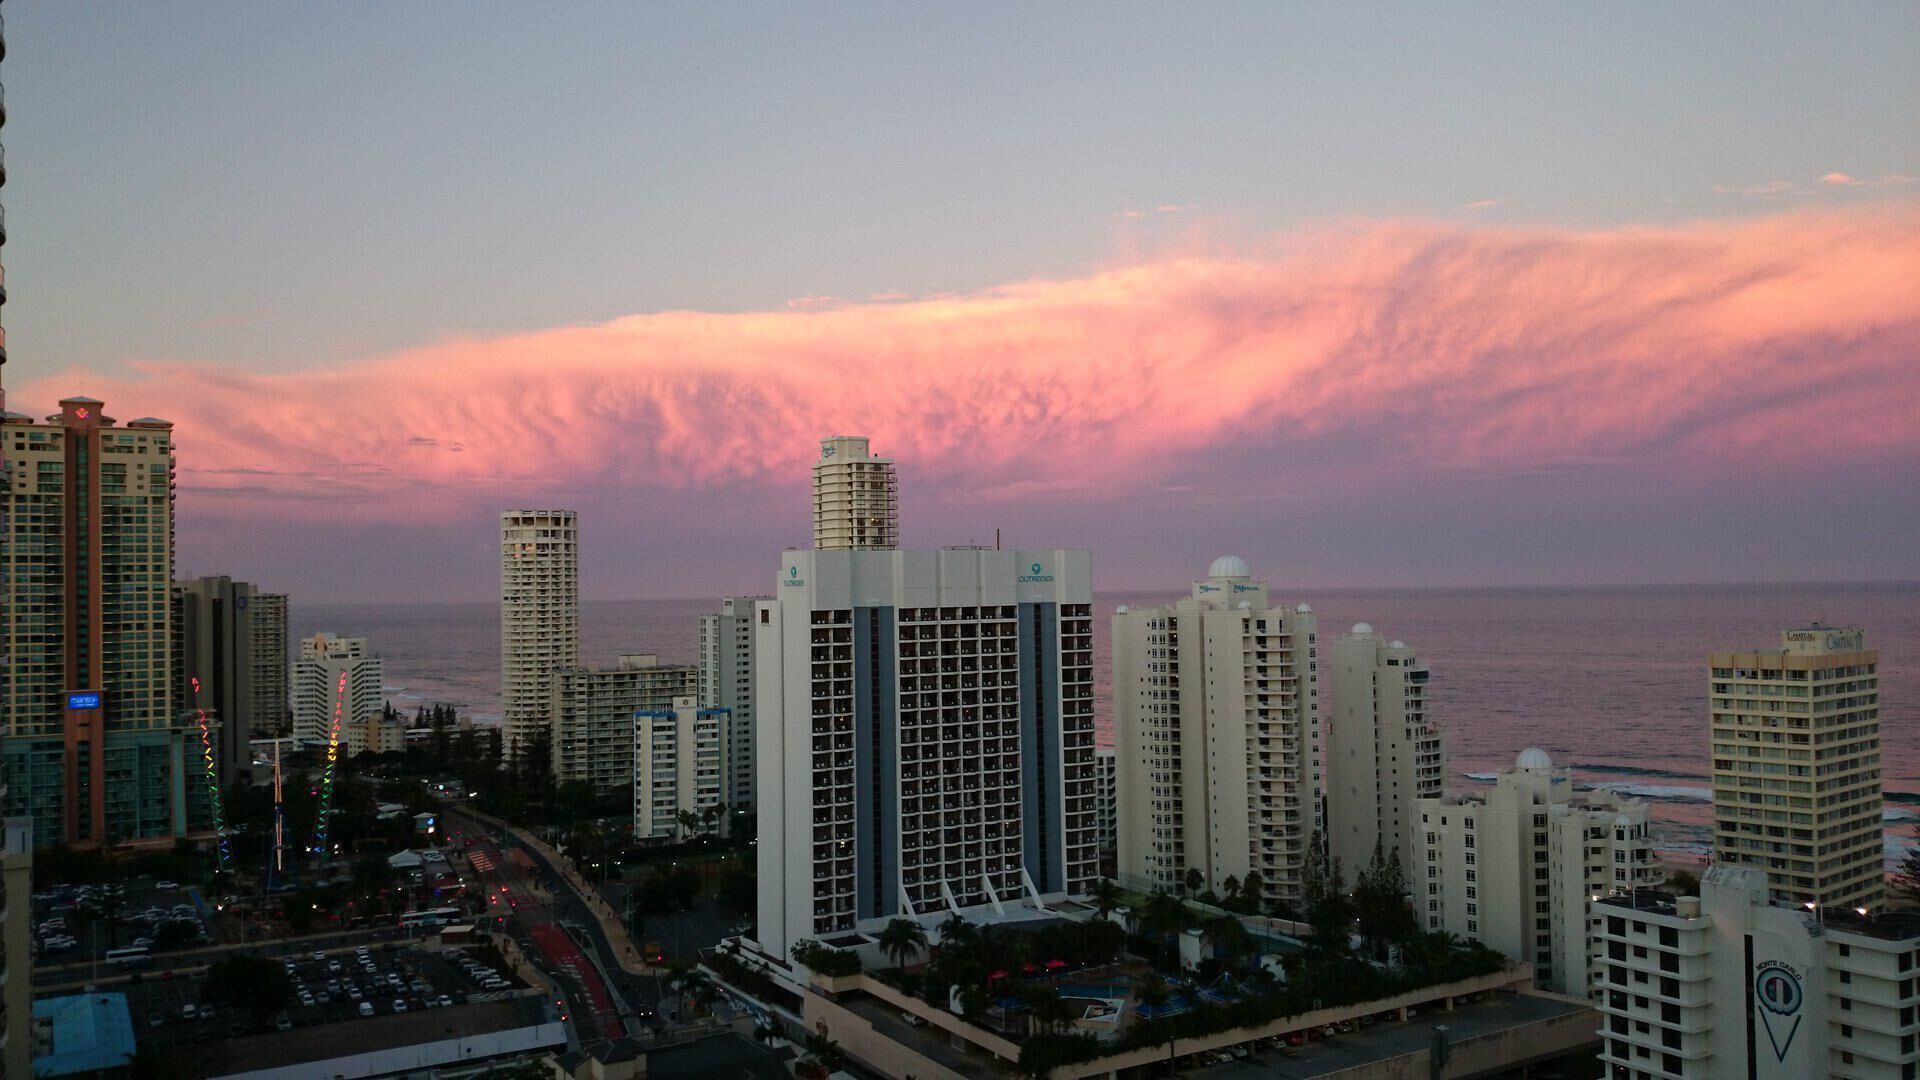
x=328, y=987
x=71, y=922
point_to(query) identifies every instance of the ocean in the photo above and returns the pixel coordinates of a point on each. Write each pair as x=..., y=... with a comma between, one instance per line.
x=1611, y=681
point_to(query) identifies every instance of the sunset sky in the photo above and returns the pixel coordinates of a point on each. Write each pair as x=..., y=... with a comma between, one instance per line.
x=1370, y=295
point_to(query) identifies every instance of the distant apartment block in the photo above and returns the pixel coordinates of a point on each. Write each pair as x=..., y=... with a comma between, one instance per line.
x=268, y=616
x=679, y=761
x=337, y=684
x=1384, y=749
x=539, y=617
x=726, y=682
x=593, y=711
x=856, y=498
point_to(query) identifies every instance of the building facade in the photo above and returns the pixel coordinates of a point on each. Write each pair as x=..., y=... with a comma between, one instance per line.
x=1217, y=737
x=539, y=617
x=726, y=682
x=92, y=746
x=214, y=665
x=1384, y=749
x=337, y=684
x=16, y=947
x=1796, y=765
x=593, y=712
x=1733, y=983
x=1518, y=868
x=679, y=770
x=925, y=730
x=267, y=619
x=1106, y=800
x=856, y=498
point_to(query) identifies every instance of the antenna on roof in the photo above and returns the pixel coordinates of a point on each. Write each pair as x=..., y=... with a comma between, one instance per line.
x=996, y=539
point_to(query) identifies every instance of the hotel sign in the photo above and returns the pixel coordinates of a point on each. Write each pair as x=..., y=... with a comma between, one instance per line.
x=86, y=699
x=1036, y=576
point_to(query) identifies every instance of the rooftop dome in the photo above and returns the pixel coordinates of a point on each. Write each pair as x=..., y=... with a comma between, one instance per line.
x=1304, y=609
x=1533, y=759
x=1229, y=566
x=1121, y=610
x=1396, y=643
x=1362, y=628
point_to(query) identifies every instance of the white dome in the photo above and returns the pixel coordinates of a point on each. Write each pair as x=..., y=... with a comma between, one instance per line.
x=1362, y=628
x=1245, y=605
x=1533, y=759
x=1623, y=821
x=1121, y=610
x=1229, y=566
x=1304, y=609
x=1396, y=643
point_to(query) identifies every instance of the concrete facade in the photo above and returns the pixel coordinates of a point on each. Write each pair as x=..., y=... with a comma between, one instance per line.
x=1217, y=737
x=1384, y=749
x=726, y=682
x=856, y=498
x=593, y=710
x=16, y=947
x=539, y=617
x=214, y=664
x=268, y=616
x=1732, y=983
x=1518, y=868
x=925, y=731
x=679, y=765
x=337, y=684
x=1796, y=765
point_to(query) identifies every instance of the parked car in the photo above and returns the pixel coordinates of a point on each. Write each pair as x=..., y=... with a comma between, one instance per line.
x=366, y=1008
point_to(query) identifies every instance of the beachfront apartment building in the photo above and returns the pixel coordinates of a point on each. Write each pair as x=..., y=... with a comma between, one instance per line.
x=726, y=682
x=1796, y=765
x=856, y=498
x=593, y=713
x=1217, y=738
x=1518, y=867
x=539, y=618
x=338, y=683
x=679, y=770
x=1384, y=748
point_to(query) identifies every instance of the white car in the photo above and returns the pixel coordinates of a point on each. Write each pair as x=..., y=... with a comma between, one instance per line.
x=167, y=886
x=366, y=1008
x=399, y=1006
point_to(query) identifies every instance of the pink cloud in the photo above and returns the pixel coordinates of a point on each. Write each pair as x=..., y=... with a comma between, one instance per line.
x=1840, y=179
x=1752, y=345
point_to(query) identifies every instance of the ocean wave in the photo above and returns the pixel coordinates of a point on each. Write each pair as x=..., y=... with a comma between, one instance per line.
x=1482, y=775
x=1635, y=770
x=1657, y=791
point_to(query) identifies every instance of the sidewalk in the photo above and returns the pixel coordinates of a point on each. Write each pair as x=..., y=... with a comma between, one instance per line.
x=608, y=919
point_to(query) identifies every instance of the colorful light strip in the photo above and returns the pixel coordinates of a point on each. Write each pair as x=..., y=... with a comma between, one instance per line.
x=213, y=780
x=326, y=775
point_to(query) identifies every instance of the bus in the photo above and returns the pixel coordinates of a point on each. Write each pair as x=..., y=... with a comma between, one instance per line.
x=131, y=956
x=439, y=916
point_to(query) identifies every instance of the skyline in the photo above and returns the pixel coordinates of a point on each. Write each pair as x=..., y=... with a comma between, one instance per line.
x=1302, y=292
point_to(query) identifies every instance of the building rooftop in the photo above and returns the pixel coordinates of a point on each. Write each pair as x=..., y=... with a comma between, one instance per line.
x=81, y=1033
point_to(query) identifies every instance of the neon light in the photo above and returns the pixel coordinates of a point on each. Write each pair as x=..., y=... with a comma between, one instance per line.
x=213, y=779
x=326, y=775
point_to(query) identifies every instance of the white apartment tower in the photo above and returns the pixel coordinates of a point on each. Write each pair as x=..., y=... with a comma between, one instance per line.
x=925, y=731
x=1384, y=750
x=1216, y=722
x=1732, y=983
x=856, y=498
x=1106, y=807
x=1517, y=869
x=539, y=616
x=726, y=682
x=593, y=712
x=337, y=684
x=1796, y=765
x=679, y=761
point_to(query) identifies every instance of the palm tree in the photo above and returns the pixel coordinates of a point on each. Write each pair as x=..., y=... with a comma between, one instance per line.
x=1230, y=939
x=1194, y=881
x=1050, y=1010
x=1252, y=888
x=1230, y=891
x=1105, y=896
x=1163, y=915
x=955, y=932
x=902, y=939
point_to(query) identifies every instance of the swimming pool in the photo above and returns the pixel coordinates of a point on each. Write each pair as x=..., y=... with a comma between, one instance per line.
x=1109, y=992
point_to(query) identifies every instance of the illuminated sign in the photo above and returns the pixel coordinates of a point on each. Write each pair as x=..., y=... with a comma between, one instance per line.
x=88, y=700
x=1036, y=577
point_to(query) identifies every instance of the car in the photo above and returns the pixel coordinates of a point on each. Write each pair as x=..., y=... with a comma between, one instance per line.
x=319, y=955
x=366, y=1008
x=167, y=886
x=306, y=999
x=189, y=1011
x=399, y=1006
x=143, y=943
x=156, y=1020
x=333, y=965
x=353, y=993
x=166, y=976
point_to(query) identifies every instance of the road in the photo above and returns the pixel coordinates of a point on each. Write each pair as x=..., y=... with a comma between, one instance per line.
x=532, y=912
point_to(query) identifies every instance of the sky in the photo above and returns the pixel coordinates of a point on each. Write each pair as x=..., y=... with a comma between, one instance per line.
x=1390, y=295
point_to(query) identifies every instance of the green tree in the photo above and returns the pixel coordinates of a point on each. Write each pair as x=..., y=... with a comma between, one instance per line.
x=1252, y=893
x=1193, y=881
x=1381, y=904
x=901, y=940
x=1330, y=911
x=1906, y=877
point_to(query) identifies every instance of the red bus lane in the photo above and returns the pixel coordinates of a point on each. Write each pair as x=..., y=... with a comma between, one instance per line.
x=508, y=885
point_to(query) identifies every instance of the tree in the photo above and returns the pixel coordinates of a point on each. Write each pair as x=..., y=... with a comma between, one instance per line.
x=1163, y=916
x=1381, y=904
x=1230, y=891
x=1906, y=877
x=1686, y=883
x=1252, y=892
x=1048, y=1008
x=689, y=823
x=956, y=933
x=1193, y=881
x=1330, y=912
x=260, y=986
x=1231, y=941
x=1105, y=896
x=902, y=939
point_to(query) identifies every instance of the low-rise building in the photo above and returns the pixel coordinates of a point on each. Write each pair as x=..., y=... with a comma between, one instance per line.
x=1517, y=868
x=1733, y=984
x=679, y=767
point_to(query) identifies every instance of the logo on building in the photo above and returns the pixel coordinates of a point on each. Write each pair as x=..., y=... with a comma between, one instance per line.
x=87, y=700
x=1776, y=987
x=793, y=577
x=1036, y=575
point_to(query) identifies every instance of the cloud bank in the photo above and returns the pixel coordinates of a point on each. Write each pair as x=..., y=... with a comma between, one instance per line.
x=1742, y=347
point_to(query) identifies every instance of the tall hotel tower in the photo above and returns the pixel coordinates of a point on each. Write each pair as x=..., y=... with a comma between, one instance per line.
x=1383, y=750
x=856, y=498
x=1796, y=766
x=539, y=616
x=925, y=735
x=1216, y=721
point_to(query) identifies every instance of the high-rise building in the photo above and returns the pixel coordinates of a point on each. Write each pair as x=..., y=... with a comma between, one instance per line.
x=213, y=662
x=1384, y=750
x=337, y=683
x=726, y=682
x=679, y=758
x=1796, y=766
x=593, y=714
x=267, y=620
x=1106, y=800
x=1517, y=868
x=1216, y=725
x=92, y=745
x=16, y=947
x=539, y=617
x=1735, y=983
x=925, y=731
x=856, y=498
